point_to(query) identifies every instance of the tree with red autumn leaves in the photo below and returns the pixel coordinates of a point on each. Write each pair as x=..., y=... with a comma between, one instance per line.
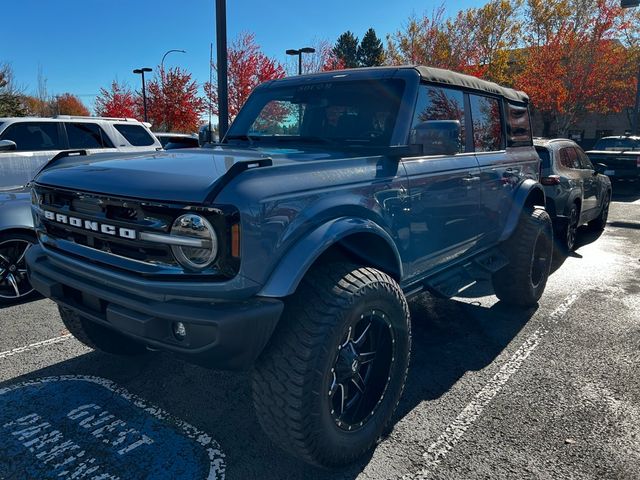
x=68, y=104
x=119, y=101
x=173, y=103
x=247, y=68
x=574, y=66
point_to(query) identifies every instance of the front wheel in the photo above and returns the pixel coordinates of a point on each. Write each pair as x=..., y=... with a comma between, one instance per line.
x=328, y=383
x=599, y=223
x=14, y=284
x=530, y=252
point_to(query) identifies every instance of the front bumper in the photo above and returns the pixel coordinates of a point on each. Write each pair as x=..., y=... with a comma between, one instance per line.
x=220, y=334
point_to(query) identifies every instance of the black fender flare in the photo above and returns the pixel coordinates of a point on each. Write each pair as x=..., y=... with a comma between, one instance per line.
x=528, y=195
x=287, y=275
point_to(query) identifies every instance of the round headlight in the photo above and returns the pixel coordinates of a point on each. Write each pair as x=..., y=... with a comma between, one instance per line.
x=196, y=243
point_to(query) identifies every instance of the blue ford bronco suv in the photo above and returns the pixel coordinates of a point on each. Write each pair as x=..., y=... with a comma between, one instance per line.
x=291, y=248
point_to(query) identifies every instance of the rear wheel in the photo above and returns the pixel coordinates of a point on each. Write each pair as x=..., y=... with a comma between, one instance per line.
x=328, y=383
x=570, y=232
x=600, y=222
x=14, y=284
x=530, y=251
x=99, y=337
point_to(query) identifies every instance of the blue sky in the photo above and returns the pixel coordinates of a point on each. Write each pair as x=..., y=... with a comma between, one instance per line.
x=82, y=45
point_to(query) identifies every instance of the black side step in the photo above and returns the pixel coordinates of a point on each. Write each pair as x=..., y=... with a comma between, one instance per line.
x=454, y=280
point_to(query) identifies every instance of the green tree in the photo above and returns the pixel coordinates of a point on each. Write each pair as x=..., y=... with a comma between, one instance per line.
x=370, y=52
x=346, y=49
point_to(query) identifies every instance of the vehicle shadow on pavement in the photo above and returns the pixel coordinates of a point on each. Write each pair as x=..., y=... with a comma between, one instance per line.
x=449, y=339
x=35, y=298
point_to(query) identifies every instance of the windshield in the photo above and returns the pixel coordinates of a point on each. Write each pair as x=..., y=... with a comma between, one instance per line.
x=617, y=144
x=342, y=113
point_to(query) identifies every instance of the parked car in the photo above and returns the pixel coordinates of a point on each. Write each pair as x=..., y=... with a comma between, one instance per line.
x=27, y=143
x=620, y=155
x=291, y=249
x=16, y=237
x=576, y=192
x=172, y=141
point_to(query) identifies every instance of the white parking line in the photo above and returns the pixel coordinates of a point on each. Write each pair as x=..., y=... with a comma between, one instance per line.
x=456, y=429
x=34, y=346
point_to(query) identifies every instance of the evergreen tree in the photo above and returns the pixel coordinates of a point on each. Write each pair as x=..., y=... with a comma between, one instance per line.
x=370, y=51
x=346, y=49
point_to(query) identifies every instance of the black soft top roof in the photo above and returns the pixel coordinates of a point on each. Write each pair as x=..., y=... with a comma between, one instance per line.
x=439, y=75
x=428, y=74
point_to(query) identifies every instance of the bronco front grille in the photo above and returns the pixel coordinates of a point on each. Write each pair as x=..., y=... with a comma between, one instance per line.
x=82, y=216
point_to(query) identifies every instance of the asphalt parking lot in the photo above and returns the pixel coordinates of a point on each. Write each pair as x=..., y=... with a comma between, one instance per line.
x=493, y=392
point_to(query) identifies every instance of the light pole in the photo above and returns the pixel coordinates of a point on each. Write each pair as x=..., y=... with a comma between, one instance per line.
x=167, y=53
x=141, y=71
x=636, y=108
x=223, y=82
x=162, y=78
x=299, y=54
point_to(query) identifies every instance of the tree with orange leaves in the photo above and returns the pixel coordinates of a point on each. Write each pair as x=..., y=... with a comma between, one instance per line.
x=68, y=104
x=575, y=65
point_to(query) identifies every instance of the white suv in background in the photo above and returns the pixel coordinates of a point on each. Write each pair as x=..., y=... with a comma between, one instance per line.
x=27, y=143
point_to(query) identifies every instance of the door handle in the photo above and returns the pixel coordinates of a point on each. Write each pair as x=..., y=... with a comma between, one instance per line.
x=471, y=179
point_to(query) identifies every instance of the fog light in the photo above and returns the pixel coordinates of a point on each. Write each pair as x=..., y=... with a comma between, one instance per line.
x=179, y=330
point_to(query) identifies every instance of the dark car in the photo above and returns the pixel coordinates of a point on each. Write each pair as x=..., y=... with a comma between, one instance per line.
x=291, y=249
x=620, y=155
x=173, y=141
x=576, y=192
x=16, y=237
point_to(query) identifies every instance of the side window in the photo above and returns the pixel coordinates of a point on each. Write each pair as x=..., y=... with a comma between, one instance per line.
x=436, y=103
x=518, y=125
x=487, y=123
x=569, y=158
x=87, y=135
x=136, y=135
x=34, y=136
x=585, y=163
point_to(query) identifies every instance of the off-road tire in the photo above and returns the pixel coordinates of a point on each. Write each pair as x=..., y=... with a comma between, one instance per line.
x=291, y=378
x=598, y=224
x=98, y=337
x=523, y=280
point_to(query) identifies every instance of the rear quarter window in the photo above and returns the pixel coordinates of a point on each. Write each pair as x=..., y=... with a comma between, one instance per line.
x=518, y=125
x=136, y=135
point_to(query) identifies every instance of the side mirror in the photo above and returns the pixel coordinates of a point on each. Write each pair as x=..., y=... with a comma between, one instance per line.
x=7, y=145
x=438, y=137
x=600, y=167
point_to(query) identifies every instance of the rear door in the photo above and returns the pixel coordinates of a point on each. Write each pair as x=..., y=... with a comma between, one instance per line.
x=590, y=183
x=37, y=143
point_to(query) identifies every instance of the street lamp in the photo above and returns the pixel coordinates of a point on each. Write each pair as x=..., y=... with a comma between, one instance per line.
x=141, y=71
x=299, y=54
x=636, y=109
x=167, y=53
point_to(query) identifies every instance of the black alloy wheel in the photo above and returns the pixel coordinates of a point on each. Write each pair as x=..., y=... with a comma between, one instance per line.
x=14, y=284
x=360, y=374
x=571, y=232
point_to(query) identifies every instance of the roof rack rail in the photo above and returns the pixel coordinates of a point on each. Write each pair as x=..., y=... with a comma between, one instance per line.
x=80, y=117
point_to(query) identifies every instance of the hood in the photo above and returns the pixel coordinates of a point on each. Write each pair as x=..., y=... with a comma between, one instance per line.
x=183, y=176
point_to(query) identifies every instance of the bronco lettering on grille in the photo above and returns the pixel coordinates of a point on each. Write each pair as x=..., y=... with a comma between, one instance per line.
x=91, y=225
